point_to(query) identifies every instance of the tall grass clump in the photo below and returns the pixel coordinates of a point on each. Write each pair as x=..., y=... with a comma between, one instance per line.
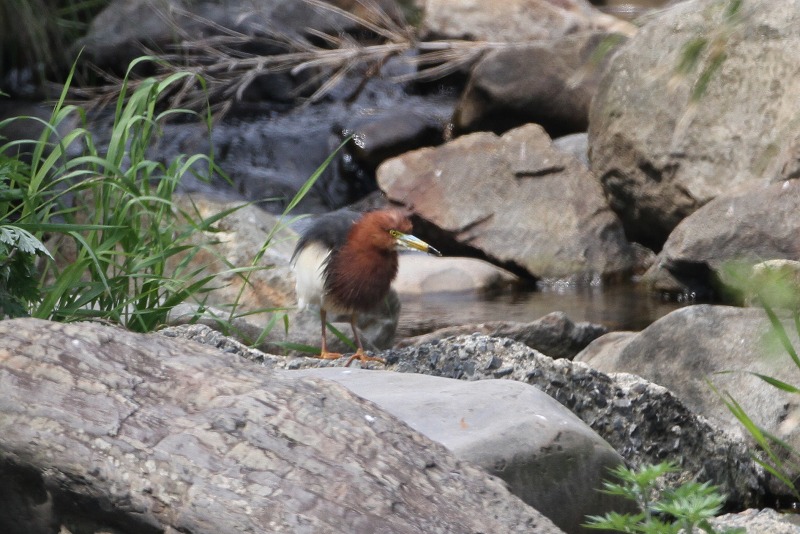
x=123, y=246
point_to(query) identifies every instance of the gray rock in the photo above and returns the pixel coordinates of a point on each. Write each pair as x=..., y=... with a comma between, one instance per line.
x=603, y=352
x=513, y=200
x=380, y=136
x=660, y=155
x=421, y=274
x=550, y=84
x=644, y=422
x=112, y=41
x=512, y=20
x=723, y=345
x=765, y=521
x=549, y=457
x=554, y=335
x=774, y=282
x=576, y=145
x=700, y=254
x=105, y=430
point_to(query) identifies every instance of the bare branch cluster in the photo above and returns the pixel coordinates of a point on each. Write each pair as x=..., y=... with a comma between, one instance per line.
x=227, y=66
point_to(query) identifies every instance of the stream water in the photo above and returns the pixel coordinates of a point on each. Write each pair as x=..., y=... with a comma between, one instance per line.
x=618, y=307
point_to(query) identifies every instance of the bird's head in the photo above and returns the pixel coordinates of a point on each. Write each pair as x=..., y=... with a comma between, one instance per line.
x=390, y=230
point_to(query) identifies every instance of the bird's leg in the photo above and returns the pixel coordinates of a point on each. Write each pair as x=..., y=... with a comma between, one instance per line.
x=324, y=354
x=360, y=354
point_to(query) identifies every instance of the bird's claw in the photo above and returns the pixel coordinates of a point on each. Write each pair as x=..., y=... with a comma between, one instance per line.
x=364, y=357
x=325, y=355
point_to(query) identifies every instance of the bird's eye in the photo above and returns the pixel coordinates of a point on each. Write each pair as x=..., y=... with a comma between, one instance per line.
x=394, y=233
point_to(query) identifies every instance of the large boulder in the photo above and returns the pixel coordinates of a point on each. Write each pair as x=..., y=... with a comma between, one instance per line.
x=660, y=152
x=551, y=459
x=765, y=521
x=702, y=255
x=103, y=430
x=420, y=274
x=551, y=84
x=513, y=200
x=554, y=335
x=724, y=346
x=512, y=20
x=112, y=41
x=645, y=422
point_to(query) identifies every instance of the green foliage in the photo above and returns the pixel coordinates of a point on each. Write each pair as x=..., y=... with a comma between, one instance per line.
x=18, y=285
x=774, y=285
x=132, y=244
x=670, y=511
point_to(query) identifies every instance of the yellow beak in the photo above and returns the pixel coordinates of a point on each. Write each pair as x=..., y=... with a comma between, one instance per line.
x=415, y=243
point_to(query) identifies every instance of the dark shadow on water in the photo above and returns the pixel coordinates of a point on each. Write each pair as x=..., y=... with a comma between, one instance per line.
x=619, y=307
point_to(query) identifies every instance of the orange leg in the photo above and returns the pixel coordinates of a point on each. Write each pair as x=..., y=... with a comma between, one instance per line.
x=360, y=354
x=324, y=354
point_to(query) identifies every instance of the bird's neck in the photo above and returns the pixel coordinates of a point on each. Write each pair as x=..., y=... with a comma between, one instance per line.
x=361, y=276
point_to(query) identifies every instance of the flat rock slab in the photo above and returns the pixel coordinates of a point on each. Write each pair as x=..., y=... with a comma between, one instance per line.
x=105, y=430
x=514, y=200
x=550, y=458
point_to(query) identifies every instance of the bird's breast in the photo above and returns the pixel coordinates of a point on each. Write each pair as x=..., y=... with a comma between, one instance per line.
x=359, y=281
x=309, y=269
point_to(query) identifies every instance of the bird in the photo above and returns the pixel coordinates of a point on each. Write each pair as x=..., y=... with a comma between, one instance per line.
x=345, y=262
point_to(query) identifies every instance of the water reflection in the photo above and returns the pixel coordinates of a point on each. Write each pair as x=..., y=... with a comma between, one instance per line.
x=621, y=307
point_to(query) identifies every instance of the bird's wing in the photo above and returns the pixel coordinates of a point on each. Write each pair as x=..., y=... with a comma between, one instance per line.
x=330, y=230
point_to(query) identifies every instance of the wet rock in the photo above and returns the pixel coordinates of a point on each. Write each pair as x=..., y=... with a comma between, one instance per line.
x=723, y=345
x=512, y=20
x=266, y=160
x=140, y=433
x=548, y=457
x=551, y=84
x=644, y=422
x=554, y=334
x=381, y=136
x=512, y=200
x=705, y=254
x=112, y=41
x=659, y=153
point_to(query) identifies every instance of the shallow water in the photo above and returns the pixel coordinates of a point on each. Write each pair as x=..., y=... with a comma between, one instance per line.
x=619, y=307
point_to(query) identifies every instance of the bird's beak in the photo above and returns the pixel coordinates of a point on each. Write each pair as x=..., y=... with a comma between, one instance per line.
x=415, y=243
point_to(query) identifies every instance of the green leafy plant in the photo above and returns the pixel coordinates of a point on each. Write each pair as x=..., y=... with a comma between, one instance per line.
x=684, y=509
x=18, y=285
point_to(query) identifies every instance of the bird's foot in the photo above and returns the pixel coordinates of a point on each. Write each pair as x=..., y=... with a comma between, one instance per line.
x=364, y=357
x=325, y=355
